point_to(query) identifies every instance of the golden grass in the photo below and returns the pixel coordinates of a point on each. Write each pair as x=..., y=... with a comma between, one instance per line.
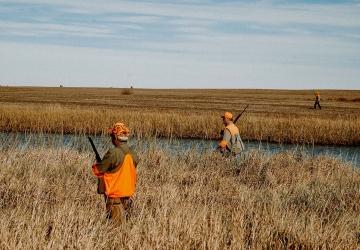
x=79, y=120
x=279, y=116
x=185, y=201
x=128, y=91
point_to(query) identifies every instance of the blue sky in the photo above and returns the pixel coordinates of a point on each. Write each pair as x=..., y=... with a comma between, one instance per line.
x=181, y=44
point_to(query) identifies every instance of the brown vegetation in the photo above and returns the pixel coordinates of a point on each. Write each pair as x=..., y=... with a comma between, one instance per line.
x=342, y=99
x=273, y=115
x=128, y=91
x=186, y=201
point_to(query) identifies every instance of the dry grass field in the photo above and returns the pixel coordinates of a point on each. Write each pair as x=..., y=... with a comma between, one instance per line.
x=273, y=115
x=185, y=201
x=188, y=200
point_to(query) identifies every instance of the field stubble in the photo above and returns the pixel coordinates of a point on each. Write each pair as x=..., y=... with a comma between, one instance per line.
x=183, y=201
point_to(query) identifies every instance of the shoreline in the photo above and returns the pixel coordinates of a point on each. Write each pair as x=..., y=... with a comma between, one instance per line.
x=170, y=138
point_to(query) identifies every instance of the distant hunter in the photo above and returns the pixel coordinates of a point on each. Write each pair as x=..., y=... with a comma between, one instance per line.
x=317, y=100
x=231, y=143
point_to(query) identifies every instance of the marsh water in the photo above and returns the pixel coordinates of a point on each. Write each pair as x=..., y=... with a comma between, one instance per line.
x=348, y=154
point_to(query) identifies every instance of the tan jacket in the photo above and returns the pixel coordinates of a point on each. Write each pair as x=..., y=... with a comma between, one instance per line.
x=232, y=139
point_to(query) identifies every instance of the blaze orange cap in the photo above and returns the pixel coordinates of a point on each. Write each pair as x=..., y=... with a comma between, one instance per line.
x=119, y=129
x=227, y=115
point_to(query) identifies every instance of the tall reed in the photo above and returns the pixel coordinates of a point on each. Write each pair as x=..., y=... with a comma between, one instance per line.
x=181, y=124
x=183, y=201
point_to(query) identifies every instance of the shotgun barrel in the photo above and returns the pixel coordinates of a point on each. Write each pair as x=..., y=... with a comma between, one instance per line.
x=239, y=115
x=97, y=156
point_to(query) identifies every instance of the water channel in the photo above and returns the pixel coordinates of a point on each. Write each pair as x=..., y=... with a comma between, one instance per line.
x=348, y=154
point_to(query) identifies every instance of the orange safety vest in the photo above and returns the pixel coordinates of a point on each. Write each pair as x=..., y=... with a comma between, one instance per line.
x=121, y=181
x=233, y=131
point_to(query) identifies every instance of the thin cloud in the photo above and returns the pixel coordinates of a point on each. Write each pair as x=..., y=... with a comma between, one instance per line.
x=262, y=13
x=269, y=41
x=48, y=28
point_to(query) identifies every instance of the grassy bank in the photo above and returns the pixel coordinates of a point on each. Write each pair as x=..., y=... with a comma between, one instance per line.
x=49, y=200
x=273, y=115
x=274, y=128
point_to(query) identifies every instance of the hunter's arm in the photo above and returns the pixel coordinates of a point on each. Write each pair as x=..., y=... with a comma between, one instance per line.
x=106, y=162
x=225, y=140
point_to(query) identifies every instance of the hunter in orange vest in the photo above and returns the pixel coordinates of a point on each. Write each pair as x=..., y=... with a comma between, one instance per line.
x=231, y=142
x=317, y=100
x=117, y=173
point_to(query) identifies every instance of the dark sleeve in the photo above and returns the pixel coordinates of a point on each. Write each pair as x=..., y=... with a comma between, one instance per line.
x=107, y=162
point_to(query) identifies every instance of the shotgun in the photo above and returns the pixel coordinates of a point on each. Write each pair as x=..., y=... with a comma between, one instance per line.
x=239, y=115
x=97, y=156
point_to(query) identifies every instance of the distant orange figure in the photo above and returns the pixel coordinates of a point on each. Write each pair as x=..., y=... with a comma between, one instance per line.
x=317, y=100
